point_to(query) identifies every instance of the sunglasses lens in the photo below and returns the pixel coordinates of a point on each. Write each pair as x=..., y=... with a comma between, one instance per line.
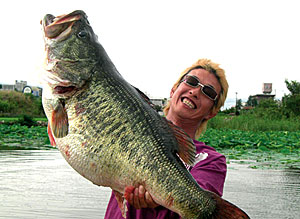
x=191, y=81
x=210, y=92
x=206, y=89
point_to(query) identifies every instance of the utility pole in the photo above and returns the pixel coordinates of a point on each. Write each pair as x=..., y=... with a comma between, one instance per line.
x=236, y=106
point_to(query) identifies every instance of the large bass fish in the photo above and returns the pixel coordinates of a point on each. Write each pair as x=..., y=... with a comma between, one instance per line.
x=106, y=129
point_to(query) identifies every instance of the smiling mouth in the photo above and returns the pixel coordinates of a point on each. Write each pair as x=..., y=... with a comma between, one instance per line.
x=188, y=103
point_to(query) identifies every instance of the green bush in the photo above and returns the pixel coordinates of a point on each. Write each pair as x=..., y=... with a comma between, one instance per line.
x=13, y=103
x=26, y=120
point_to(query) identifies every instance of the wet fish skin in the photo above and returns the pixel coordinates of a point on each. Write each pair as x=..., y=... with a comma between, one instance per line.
x=107, y=132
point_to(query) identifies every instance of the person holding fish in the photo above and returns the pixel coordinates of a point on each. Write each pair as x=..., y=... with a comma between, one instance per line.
x=108, y=131
x=196, y=97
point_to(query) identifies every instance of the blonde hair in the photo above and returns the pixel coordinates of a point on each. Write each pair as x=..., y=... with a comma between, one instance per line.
x=213, y=68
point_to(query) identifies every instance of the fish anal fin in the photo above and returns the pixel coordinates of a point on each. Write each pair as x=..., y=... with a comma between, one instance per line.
x=59, y=123
x=121, y=203
x=187, y=149
x=51, y=138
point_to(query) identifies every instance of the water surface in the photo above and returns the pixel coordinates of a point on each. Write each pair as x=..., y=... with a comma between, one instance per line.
x=40, y=184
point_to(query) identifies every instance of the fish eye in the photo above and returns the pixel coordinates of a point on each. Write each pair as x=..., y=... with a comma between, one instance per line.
x=82, y=34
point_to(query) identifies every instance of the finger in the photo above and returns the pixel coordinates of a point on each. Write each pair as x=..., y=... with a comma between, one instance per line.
x=130, y=199
x=150, y=202
x=142, y=200
x=136, y=202
x=128, y=190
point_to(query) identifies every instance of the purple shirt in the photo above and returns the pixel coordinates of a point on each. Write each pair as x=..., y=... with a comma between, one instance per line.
x=209, y=172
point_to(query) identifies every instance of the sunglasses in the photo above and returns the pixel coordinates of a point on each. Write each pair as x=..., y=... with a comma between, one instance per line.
x=207, y=90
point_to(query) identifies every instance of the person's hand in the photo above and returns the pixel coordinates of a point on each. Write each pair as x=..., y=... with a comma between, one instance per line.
x=140, y=198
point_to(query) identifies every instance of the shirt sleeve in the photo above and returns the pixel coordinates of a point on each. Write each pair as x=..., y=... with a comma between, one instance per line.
x=210, y=173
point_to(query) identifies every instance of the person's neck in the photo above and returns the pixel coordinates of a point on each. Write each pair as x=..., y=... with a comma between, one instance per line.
x=189, y=127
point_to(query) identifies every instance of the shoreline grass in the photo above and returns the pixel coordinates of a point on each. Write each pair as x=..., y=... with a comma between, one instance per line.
x=14, y=119
x=250, y=122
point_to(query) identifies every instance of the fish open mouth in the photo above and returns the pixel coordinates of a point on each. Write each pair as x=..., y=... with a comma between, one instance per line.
x=61, y=26
x=63, y=89
x=59, y=86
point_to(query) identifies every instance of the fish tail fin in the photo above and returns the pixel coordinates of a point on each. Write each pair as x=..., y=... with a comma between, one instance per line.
x=226, y=210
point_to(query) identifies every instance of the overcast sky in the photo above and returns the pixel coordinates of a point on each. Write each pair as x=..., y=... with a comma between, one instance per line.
x=152, y=42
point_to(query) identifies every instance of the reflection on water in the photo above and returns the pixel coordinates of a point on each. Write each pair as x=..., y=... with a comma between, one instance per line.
x=40, y=184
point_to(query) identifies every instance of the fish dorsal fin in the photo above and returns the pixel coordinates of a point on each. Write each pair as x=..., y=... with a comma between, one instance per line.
x=59, y=123
x=144, y=96
x=187, y=149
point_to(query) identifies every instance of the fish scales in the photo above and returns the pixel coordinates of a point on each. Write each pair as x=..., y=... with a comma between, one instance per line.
x=139, y=134
x=107, y=122
x=106, y=130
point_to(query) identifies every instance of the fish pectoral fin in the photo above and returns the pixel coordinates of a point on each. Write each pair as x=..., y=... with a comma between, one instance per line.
x=59, y=123
x=121, y=203
x=51, y=138
x=187, y=149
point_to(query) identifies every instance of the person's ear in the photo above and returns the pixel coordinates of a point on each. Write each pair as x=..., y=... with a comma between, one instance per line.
x=212, y=114
x=172, y=92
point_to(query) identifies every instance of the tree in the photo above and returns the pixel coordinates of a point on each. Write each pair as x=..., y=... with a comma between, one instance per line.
x=239, y=104
x=293, y=87
x=269, y=109
x=291, y=102
x=251, y=101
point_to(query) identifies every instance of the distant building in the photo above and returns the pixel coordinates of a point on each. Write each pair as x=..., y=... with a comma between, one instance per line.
x=22, y=86
x=159, y=102
x=19, y=85
x=267, y=90
x=7, y=87
x=35, y=91
x=260, y=97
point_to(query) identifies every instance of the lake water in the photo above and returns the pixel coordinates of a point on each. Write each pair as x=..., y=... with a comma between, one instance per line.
x=40, y=184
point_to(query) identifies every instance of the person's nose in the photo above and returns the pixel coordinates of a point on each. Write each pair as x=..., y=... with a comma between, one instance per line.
x=195, y=92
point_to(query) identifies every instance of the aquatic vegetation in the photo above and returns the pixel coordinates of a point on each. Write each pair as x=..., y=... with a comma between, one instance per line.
x=17, y=137
x=270, y=149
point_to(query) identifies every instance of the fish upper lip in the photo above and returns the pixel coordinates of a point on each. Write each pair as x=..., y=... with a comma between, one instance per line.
x=60, y=26
x=50, y=19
